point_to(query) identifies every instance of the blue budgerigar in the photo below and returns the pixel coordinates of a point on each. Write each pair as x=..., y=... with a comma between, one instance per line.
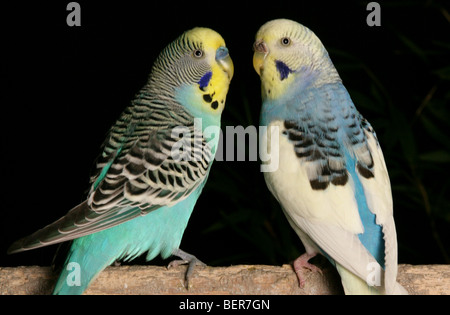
x=331, y=180
x=153, y=165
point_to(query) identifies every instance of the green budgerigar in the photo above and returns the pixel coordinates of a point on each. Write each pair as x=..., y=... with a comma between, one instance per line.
x=153, y=165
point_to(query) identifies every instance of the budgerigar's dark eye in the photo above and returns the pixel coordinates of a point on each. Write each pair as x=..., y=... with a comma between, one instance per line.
x=285, y=41
x=198, y=53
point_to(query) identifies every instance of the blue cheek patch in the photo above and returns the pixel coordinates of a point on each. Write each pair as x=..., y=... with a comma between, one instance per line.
x=283, y=69
x=204, y=81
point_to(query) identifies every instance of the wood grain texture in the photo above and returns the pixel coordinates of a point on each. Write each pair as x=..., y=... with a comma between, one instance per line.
x=234, y=280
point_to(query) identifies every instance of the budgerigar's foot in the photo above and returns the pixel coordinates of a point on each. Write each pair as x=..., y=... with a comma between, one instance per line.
x=302, y=263
x=185, y=259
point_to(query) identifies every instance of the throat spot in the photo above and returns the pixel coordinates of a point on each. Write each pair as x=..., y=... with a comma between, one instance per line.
x=283, y=69
x=204, y=80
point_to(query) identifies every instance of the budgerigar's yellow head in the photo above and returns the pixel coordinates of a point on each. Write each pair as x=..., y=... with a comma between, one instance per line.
x=198, y=67
x=216, y=55
x=285, y=49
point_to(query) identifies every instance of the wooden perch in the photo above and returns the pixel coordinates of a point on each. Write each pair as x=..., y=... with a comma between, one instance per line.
x=242, y=279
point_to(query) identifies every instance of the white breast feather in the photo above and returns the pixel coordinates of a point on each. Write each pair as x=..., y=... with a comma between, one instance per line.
x=290, y=185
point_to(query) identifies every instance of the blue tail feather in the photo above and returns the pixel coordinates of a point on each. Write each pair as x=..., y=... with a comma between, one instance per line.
x=372, y=238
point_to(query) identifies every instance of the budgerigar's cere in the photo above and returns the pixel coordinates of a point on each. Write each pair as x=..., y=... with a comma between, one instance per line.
x=331, y=181
x=153, y=165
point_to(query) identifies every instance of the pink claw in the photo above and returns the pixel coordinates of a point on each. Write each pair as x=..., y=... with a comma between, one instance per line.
x=302, y=263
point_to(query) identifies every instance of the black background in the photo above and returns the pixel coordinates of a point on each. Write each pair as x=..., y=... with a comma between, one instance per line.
x=63, y=87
